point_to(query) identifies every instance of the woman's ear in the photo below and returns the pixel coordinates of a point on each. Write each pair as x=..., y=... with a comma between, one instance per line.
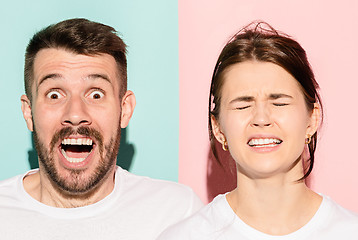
x=26, y=112
x=215, y=126
x=314, y=120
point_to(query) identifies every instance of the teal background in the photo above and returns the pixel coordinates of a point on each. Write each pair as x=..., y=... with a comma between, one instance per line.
x=150, y=29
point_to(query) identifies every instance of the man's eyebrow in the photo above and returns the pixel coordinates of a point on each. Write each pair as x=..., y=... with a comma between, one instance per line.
x=97, y=75
x=48, y=76
x=274, y=96
x=57, y=76
x=243, y=99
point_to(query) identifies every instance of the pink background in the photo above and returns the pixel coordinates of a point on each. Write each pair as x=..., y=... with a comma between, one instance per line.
x=328, y=32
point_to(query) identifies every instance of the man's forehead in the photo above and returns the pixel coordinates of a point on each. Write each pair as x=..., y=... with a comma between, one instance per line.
x=58, y=62
x=90, y=78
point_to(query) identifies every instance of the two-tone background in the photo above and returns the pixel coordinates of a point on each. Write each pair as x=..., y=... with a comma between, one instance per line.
x=173, y=46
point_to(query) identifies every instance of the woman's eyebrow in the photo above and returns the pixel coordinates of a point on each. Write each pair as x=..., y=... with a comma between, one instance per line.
x=243, y=99
x=274, y=96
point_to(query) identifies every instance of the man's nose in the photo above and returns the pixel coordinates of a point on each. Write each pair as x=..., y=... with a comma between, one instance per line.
x=76, y=112
x=261, y=116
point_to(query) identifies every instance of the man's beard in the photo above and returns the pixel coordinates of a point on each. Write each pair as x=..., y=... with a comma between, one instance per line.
x=74, y=182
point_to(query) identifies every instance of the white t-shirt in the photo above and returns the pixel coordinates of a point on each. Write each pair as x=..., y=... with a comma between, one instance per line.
x=218, y=221
x=138, y=208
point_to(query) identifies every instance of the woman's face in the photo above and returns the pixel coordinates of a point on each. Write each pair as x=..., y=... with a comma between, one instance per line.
x=264, y=118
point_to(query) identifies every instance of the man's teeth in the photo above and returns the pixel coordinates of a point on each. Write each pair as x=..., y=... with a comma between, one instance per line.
x=72, y=160
x=264, y=142
x=77, y=141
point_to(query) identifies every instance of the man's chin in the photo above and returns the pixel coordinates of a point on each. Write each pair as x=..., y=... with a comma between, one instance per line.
x=77, y=182
x=77, y=178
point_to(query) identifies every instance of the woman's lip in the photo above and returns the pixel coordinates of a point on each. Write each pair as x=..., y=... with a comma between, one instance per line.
x=259, y=136
x=265, y=149
x=264, y=143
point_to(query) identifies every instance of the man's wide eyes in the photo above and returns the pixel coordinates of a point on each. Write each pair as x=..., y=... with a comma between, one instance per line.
x=96, y=94
x=53, y=94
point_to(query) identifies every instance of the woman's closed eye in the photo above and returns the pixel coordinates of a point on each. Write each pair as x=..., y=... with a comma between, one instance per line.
x=242, y=107
x=280, y=104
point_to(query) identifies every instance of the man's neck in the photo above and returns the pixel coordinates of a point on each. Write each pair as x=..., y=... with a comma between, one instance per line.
x=40, y=187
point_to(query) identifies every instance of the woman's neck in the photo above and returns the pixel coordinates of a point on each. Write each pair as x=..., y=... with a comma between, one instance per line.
x=275, y=206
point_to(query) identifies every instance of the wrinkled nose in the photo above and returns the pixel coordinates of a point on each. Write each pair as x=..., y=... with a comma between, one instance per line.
x=261, y=117
x=76, y=112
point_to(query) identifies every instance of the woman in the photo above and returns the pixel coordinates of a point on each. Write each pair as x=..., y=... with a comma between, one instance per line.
x=265, y=110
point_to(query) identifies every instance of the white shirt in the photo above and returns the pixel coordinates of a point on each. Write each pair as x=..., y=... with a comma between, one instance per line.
x=137, y=208
x=218, y=221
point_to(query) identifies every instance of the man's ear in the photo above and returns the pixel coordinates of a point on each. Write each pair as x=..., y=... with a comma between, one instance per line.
x=314, y=120
x=26, y=112
x=219, y=135
x=128, y=104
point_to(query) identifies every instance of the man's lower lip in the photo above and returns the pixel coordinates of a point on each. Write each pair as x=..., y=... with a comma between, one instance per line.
x=76, y=163
x=73, y=160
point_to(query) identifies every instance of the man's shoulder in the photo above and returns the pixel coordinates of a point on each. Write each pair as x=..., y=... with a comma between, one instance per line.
x=146, y=184
x=11, y=192
x=153, y=192
x=8, y=185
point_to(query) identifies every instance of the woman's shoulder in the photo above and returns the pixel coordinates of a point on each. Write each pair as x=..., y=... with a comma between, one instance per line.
x=338, y=218
x=338, y=212
x=208, y=220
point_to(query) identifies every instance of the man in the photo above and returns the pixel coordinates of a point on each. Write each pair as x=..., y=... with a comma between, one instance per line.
x=76, y=103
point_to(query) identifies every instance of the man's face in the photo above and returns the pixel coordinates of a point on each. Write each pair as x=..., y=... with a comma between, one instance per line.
x=76, y=117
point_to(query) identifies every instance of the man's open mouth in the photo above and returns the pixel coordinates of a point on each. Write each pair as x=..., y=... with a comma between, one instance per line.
x=76, y=150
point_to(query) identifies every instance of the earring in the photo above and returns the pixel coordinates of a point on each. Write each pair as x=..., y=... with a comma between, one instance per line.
x=308, y=139
x=225, y=146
